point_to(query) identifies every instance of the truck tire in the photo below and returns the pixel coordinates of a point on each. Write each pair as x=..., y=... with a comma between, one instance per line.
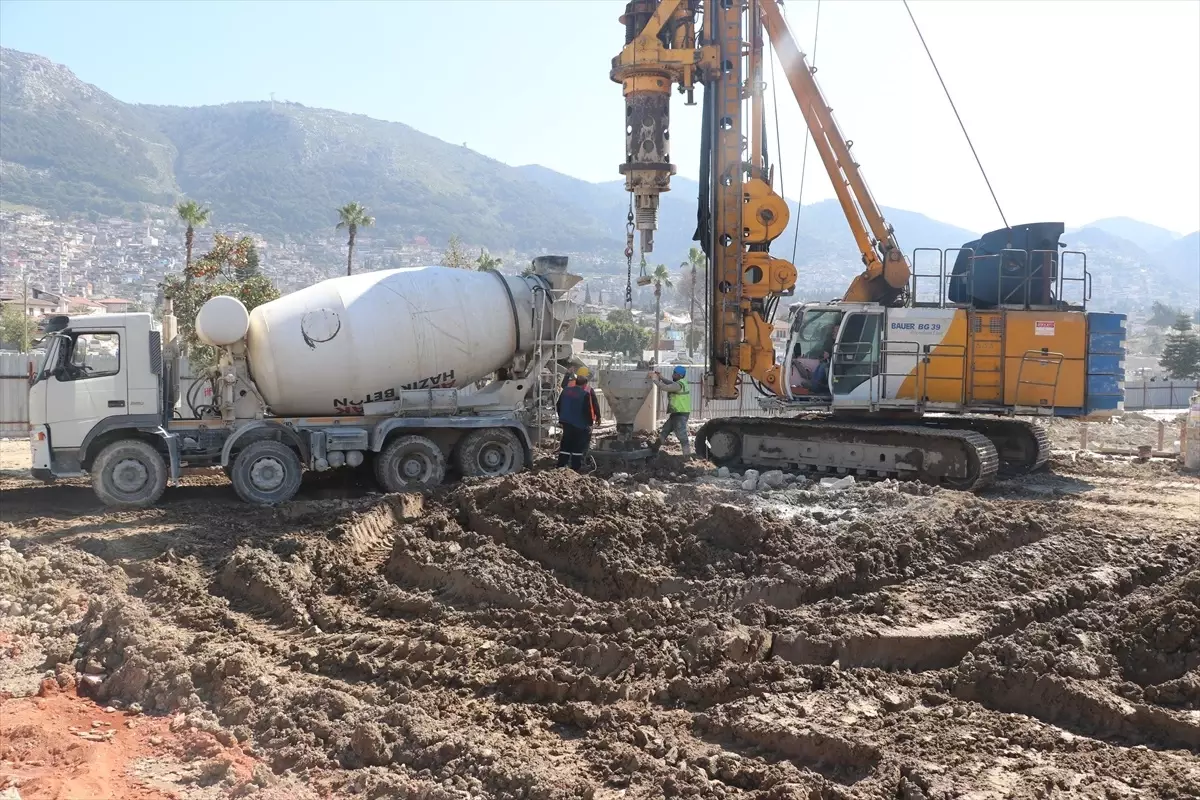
x=410, y=464
x=489, y=453
x=266, y=473
x=129, y=473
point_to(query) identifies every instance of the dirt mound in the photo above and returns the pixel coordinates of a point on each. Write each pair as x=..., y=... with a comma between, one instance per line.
x=553, y=635
x=603, y=542
x=1123, y=681
x=475, y=570
x=1157, y=646
x=259, y=577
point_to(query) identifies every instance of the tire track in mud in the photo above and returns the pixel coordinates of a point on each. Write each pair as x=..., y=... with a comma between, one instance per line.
x=933, y=621
x=588, y=643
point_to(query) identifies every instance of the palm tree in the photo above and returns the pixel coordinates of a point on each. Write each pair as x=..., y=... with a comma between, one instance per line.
x=487, y=262
x=353, y=216
x=195, y=216
x=695, y=261
x=660, y=278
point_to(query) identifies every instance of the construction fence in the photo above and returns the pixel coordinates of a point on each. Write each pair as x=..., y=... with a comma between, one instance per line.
x=1161, y=393
x=14, y=392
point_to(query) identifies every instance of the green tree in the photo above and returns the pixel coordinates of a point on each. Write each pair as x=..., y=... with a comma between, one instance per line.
x=194, y=216
x=250, y=267
x=216, y=272
x=1163, y=315
x=630, y=339
x=595, y=332
x=612, y=337
x=1181, y=352
x=661, y=277
x=487, y=262
x=455, y=255
x=227, y=258
x=351, y=217
x=621, y=315
x=16, y=329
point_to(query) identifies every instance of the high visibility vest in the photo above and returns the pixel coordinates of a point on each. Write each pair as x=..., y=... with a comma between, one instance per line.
x=680, y=402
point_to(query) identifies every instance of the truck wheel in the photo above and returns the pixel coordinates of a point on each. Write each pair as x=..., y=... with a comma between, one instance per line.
x=410, y=464
x=266, y=473
x=129, y=474
x=488, y=453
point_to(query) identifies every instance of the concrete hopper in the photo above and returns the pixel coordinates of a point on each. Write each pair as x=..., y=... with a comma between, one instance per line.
x=626, y=392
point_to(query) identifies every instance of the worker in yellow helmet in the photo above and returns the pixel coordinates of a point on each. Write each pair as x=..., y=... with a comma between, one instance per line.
x=569, y=379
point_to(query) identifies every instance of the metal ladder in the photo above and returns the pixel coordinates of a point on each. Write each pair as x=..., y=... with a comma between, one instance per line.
x=550, y=376
x=1044, y=359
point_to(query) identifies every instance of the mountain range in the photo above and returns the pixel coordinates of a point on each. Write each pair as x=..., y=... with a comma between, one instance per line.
x=280, y=168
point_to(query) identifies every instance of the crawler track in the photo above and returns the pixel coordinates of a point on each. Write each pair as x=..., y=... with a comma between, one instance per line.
x=957, y=457
x=1022, y=446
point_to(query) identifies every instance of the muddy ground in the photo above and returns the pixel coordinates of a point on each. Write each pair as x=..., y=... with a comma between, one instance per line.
x=661, y=634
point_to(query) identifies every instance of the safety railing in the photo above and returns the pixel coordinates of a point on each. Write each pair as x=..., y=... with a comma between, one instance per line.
x=846, y=363
x=932, y=365
x=891, y=351
x=1012, y=278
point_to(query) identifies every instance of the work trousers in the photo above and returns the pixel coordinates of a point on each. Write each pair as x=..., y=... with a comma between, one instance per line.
x=573, y=447
x=676, y=424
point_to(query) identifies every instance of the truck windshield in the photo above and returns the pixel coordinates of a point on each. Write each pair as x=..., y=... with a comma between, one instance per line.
x=49, y=357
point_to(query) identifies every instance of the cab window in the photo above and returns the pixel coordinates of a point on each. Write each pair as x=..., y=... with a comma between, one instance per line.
x=815, y=333
x=94, y=354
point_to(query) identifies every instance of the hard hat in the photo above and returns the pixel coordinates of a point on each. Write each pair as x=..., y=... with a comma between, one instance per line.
x=679, y=371
x=583, y=372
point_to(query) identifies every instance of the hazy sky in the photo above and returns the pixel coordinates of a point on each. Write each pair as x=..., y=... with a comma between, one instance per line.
x=1080, y=109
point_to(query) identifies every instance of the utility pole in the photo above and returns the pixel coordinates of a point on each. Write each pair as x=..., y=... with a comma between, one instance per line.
x=25, y=311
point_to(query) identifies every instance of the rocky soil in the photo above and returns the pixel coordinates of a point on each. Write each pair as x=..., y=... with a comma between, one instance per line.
x=665, y=633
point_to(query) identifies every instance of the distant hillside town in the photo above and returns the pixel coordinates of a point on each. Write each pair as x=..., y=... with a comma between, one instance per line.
x=90, y=262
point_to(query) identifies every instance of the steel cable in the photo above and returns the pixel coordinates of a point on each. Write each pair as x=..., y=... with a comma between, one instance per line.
x=954, y=108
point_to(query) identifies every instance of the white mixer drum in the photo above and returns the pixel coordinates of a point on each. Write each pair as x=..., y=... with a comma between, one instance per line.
x=333, y=346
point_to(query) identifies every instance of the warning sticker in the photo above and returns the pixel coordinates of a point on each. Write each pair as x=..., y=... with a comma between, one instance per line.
x=1043, y=328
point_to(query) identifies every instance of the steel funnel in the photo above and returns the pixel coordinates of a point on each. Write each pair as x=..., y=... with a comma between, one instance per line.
x=626, y=391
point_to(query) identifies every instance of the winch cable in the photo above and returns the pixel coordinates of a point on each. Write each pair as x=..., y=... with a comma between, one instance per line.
x=629, y=256
x=807, y=136
x=954, y=108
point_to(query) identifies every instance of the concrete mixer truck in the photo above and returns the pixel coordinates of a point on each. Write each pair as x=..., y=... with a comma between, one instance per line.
x=410, y=371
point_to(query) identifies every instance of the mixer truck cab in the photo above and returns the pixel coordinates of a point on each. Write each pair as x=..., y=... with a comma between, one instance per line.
x=412, y=372
x=98, y=379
